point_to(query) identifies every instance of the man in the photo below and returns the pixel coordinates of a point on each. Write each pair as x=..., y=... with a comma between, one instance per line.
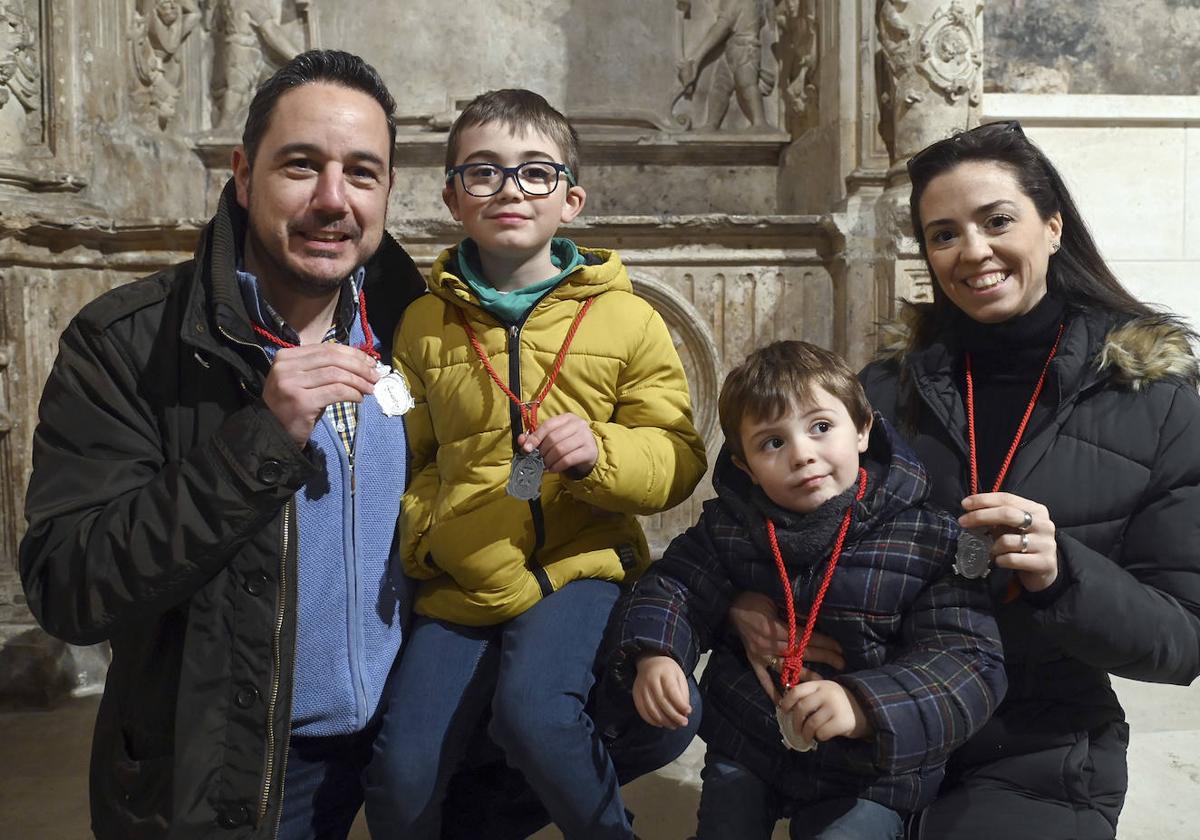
x=215, y=486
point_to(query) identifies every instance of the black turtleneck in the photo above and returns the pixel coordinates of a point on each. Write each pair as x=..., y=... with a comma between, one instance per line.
x=1006, y=361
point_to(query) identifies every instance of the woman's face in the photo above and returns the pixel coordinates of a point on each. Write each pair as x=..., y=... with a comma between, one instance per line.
x=987, y=245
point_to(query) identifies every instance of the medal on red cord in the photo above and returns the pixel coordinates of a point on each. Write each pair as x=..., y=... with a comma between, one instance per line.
x=527, y=469
x=973, y=556
x=793, y=659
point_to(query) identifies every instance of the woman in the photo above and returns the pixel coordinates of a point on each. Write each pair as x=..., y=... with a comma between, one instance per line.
x=1061, y=415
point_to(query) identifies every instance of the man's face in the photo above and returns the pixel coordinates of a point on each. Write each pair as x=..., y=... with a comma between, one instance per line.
x=317, y=192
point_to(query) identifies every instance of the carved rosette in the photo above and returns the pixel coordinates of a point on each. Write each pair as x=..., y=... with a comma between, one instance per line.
x=930, y=77
x=952, y=55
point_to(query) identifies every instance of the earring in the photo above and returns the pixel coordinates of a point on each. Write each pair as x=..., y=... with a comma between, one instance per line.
x=1054, y=246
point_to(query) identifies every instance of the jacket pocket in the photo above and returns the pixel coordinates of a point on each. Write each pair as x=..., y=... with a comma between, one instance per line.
x=142, y=785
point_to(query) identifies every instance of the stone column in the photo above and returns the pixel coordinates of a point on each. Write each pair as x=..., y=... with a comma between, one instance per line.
x=930, y=85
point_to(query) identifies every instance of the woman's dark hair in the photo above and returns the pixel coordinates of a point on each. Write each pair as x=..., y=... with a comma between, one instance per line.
x=334, y=67
x=1077, y=273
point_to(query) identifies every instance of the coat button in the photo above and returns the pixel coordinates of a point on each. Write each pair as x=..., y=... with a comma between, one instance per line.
x=233, y=816
x=246, y=697
x=271, y=472
x=255, y=583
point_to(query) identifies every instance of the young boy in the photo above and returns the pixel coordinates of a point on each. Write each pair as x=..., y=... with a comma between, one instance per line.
x=821, y=507
x=551, y=408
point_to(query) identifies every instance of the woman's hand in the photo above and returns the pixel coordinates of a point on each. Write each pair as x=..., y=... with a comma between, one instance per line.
x=765, y=638
x=1022, y=534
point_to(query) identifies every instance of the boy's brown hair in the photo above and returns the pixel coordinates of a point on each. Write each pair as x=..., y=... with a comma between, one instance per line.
x=774, y=378
x=519, y=110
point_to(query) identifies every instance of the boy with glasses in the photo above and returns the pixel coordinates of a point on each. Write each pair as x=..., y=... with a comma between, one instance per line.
x=551, y=408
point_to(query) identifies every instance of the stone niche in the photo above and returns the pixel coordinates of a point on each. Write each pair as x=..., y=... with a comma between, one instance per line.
x=706, y=125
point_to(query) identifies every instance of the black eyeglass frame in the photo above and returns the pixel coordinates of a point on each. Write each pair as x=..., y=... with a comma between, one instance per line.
x=998, y=126
x=513, y=172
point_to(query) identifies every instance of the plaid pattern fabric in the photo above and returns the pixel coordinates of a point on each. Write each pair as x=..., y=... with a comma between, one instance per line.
x=922, y=649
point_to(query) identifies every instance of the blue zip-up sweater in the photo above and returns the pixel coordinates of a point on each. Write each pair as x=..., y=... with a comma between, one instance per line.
x=347, y=515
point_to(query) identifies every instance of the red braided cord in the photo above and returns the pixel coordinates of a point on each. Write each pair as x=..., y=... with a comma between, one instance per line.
x=528, y=410
x=793, y=661
x=1012, y=450
x=368, y=345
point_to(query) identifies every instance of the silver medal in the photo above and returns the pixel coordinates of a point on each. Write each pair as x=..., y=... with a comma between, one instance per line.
x=793, y=739
x=973, y=557
x=525, y=480
x=391, y=391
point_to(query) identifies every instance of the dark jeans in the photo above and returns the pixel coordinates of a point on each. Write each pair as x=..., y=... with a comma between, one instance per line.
x=735, y=804
x=322, y=788
x=535, y=672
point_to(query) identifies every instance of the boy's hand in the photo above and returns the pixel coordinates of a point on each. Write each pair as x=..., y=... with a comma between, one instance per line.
x=824, y=709
x=660, y=692
x=567, y=444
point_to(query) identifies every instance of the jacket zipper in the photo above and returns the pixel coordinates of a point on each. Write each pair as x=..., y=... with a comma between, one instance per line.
x=535, y=505
x=269, y=771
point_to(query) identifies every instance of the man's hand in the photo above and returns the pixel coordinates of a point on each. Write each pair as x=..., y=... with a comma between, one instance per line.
x=567, y=444
x=823, y=709
x=660, y=692
x=305, y=380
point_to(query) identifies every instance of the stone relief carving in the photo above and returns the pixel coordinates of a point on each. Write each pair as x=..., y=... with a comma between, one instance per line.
x=797, y=52
x=157, y=33
x=20, y=63
x=929, y=70
x=951, y=55
x=732, y=44
x=249, y=39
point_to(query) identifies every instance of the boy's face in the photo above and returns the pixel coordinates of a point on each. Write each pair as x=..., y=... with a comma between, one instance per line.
x=806, y=456
x=510, y=224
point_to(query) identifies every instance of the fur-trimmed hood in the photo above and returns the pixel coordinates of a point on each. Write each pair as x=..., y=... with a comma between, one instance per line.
x=1136, y=352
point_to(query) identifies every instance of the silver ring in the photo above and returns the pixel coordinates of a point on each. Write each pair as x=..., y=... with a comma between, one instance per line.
x=1024, y=543
x=773, y=663
x=1026, y=522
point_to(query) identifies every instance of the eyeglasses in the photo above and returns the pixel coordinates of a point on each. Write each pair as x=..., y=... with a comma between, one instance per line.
x=534, y=177
x=987, y=128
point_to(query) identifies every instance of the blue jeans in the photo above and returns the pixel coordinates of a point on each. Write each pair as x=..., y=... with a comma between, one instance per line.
x=735, y=804
x=322, y=789
x=486, y=791
x=535, y=671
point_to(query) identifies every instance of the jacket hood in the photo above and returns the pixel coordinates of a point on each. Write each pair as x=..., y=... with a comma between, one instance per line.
x=896, y=481
x=601, y=271
x=1135, y=352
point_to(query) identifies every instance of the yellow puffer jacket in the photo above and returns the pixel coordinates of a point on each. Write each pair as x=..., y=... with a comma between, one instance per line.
x=482, y=556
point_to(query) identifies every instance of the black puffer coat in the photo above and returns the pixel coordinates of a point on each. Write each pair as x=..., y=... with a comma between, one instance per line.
x=1116, y=460
x=161, y=519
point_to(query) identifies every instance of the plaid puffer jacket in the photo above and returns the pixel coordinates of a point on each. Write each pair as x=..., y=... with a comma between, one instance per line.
x=922, y=650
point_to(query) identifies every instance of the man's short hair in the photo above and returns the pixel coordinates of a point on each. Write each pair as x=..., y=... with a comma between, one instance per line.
x=333, y=67
x=781, y=375
x=520, y=110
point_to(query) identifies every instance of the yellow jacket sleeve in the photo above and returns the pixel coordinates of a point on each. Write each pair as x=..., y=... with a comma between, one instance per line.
x=650, y=455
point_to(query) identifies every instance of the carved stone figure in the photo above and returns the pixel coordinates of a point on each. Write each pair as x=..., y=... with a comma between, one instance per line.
x=246, y=33
x=797, y=52
x=734, y=42
x=20, y=68
x=157, y=33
